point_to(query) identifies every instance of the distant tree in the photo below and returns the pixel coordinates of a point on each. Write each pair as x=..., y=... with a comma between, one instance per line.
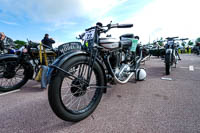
x=160, y=42
x=19, y=43
x=190, y=43
x=183, y=44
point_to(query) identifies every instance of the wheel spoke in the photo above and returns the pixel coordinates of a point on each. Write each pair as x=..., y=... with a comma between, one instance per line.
x=71, y=94
x=78, y=103
x=80, y=70
x=86, y=97
x=72, y=103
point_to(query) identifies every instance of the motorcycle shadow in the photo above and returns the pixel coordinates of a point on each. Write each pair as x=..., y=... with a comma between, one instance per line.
x=56, y=127
x=155, y=72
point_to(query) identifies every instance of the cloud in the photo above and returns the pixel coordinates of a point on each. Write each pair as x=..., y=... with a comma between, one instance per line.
x=58, y=11
x=59, y=26
x=163, y=18
x=8, y=22
x=98, y=8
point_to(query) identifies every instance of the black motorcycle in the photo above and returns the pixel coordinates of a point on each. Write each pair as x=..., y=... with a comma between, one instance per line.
x=18, y=66
x=78, y=78
x=171, y=54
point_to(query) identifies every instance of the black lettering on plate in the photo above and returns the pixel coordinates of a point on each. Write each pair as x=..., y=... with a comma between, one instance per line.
x=69, y=46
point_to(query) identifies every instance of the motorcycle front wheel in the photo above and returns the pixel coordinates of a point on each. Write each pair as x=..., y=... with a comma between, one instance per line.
x=13, y=75
x=167, y=64
x=71, y=98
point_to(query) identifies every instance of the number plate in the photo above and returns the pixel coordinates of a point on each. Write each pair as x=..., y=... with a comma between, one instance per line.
x=69, y=46
x=170, y=42
x=89, y=35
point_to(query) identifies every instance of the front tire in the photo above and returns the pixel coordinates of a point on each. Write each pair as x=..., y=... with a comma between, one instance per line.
x=62, y=103
x=167, y=64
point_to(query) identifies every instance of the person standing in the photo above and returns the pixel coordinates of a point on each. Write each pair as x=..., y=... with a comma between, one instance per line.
x=188, y=49
x=5, y=41
x=2, y=38
x=47, y=41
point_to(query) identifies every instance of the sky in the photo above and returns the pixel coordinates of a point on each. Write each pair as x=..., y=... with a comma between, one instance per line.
x=64, y=20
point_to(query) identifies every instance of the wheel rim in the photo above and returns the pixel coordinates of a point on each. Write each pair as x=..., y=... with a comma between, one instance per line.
x=10, y=77
x=76, y=96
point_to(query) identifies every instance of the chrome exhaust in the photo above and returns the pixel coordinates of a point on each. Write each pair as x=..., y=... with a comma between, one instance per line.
x=125, y=81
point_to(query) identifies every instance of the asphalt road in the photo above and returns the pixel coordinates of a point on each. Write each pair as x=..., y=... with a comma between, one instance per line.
x=151, y=106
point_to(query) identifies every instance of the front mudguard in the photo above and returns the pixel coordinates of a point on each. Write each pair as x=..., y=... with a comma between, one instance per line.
x=28, y=66
x=52, y=70
x=168, y=51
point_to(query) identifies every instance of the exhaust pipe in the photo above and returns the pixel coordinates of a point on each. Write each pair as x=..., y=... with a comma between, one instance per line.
x=125, y=81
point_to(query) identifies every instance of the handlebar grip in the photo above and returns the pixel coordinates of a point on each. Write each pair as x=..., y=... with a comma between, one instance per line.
x=169, y=38
x=184, y=39
x=124, y=25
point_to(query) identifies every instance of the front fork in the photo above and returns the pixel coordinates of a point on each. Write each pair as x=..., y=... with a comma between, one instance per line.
x=93, y=56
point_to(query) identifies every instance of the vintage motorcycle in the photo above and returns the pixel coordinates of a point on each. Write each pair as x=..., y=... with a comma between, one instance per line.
x=171, y=54
x=19, y=66
x=78, y=78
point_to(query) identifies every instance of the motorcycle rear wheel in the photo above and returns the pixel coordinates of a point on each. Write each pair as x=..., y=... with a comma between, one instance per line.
x=13, y=75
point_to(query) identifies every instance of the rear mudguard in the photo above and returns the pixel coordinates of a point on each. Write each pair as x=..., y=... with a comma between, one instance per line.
x=50, y=71
x=6, y=56
x=28, y=65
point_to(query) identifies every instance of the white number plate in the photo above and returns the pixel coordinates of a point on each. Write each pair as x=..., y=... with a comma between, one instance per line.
x=170, y=42
x=89, y=34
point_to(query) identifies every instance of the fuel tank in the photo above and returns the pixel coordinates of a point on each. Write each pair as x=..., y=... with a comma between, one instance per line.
x=109, y=43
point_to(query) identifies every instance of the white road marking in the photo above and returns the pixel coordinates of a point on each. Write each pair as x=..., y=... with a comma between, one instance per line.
x=6, y=93
x=163, y=78
x=191, y=68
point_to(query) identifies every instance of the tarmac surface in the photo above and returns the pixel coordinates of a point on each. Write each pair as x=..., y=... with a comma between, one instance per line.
x=157, y=105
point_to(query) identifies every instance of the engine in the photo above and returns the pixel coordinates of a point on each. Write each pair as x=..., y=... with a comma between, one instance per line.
x=121, y=62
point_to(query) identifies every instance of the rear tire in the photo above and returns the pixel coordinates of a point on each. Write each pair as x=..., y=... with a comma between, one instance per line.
x=13, y=75
x=57, y=102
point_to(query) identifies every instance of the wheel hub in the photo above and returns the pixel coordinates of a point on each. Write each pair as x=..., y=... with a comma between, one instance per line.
x=78, y=89
x=8, y=74
x=9, y=71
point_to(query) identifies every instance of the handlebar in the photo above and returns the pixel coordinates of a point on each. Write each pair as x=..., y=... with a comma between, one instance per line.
x=104, y=29
x=109, y=26
x=172, y=38
x=124, y=25
x=182, y=39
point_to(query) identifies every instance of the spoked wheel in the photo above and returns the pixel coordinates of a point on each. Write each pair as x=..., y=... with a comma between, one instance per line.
x=12, y=75
x=72, y=98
